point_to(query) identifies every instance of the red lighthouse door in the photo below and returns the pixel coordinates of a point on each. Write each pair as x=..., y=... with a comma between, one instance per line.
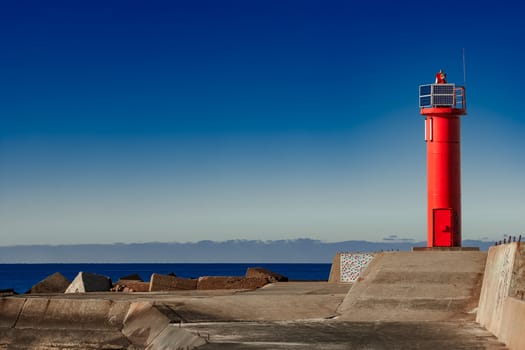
x=443, y=227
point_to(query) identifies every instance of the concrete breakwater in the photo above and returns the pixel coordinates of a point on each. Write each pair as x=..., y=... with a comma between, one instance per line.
x=154, y=320
x=254, y=277
x=419, y=300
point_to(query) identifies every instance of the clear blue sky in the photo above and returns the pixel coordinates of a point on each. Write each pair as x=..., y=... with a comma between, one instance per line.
x=134, y=121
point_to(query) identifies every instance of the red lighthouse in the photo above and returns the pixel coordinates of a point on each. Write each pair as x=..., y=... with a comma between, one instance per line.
x=442, y=105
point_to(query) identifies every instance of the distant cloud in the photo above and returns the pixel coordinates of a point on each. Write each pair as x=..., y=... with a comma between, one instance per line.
x=396, y=238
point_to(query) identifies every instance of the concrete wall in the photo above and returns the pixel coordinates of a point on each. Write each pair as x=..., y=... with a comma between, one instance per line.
x=501, y=308
x=347, y=267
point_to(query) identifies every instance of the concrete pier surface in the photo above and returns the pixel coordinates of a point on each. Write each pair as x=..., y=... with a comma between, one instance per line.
x=292, y=315
x=419, y=300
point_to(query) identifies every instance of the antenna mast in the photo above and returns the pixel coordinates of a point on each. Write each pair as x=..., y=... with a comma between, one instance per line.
x=464, y=68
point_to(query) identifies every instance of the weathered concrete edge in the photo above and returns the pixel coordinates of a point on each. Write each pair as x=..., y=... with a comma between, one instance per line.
x=498, y=311
x=92, y=314
x=496, y=285
x=512, y=331
x=130, y=319
x=335, y=270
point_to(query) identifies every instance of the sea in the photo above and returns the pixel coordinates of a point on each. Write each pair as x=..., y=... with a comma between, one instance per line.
x=21, y=277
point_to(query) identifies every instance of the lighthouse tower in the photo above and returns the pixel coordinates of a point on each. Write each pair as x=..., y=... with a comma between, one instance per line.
x=442, y=105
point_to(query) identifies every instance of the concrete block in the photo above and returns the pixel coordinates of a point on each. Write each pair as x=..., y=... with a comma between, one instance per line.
x=260, y=272
x=55, y=283
x=133, y=286
x=10, y=308
x=143, y=323
x=254, y=282
x=89, y=282
x=161, y=283
x=220, y=282
x=225, y=282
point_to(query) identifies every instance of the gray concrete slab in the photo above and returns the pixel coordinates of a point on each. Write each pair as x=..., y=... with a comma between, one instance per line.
x=336, y=335
x=280, y=301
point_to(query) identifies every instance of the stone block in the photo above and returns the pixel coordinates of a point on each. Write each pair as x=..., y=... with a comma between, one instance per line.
x=160, y=283
x=254, y=282
x=55, y=283
x=133, y=286
x=89, y=282
x=259, y=272
x=227, y=282
x=219, y=282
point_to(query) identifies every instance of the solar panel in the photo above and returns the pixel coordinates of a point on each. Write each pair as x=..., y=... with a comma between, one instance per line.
x=437, y=95
x=425, y=90
x=445, y=89
x=442, y=100
x=424, y=101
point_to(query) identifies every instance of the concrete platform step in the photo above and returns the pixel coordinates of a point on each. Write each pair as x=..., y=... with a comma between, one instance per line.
x=416, y=286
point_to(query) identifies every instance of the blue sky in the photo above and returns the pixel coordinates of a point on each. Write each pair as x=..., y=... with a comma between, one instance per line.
x=135, y=121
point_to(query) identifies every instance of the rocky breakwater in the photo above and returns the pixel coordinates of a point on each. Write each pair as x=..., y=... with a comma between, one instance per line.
x=85, y=282
x=83, y=314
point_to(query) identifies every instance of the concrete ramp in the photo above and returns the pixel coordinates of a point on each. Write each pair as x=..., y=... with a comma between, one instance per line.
x=416, y=286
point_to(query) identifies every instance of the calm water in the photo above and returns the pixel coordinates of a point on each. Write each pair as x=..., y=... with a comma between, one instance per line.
x=22, y=277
